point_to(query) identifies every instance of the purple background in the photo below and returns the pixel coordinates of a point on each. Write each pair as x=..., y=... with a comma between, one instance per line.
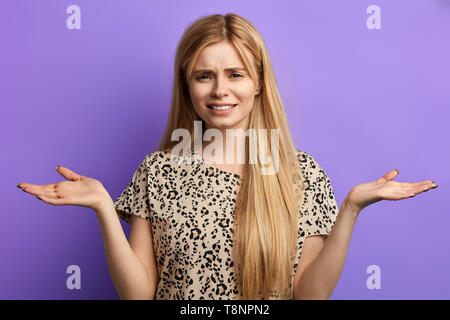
x=96, y=100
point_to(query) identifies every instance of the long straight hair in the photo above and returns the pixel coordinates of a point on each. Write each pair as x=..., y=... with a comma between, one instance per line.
x=267, y=206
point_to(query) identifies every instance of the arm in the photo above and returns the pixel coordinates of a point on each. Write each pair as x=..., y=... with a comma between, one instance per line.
x=132, y=279
x=132, y=265
x=320, y=277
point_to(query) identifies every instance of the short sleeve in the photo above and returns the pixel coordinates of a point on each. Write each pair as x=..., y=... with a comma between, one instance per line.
x=134, y=199
x=320, y=209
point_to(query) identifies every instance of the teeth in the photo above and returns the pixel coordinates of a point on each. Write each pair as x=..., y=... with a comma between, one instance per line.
x=222, y=107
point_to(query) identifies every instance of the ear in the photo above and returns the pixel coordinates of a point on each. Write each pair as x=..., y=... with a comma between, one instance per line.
x=258, y=89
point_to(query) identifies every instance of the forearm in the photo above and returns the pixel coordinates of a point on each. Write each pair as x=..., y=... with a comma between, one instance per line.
x=127, y=272
x=321, y=276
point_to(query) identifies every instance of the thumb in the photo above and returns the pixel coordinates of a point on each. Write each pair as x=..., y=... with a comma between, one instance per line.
x=388, y=176
x=68, y=174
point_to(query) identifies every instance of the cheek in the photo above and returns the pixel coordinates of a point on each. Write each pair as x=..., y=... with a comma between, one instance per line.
x=198, y=98
x=200, y=93
x=246, y=90
x=247, y=100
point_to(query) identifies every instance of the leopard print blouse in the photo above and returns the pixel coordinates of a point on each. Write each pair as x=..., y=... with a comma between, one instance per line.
x=190, y=207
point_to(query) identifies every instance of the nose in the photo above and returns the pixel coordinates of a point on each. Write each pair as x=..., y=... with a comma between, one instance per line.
x=220, y=88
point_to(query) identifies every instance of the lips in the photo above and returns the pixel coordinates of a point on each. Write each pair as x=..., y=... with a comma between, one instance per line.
x=209, y=105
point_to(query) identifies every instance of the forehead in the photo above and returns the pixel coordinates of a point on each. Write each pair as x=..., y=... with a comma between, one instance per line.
x=218, y=56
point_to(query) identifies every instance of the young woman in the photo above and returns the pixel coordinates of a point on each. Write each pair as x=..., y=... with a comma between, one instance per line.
x=207, y=229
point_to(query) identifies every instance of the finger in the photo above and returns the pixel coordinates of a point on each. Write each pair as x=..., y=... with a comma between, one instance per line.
x=409, y=194
x=50, y=192
x=419, y=190
x=419, y=186
x=53, y=201
x=398, y=192
x=68, y=174
x=388, y=176
x=413, y=185
x=397, y=195
x=35, y=189
x=428, y=187
x=425, y=182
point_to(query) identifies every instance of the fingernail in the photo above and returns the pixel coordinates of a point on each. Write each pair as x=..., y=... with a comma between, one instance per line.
x=398, y=172
x=57, y=167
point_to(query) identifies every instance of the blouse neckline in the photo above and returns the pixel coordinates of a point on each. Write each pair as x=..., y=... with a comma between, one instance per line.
x=228, y=173
x=208, y=166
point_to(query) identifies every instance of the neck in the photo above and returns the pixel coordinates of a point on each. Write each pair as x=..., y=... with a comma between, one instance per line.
x=232, y=154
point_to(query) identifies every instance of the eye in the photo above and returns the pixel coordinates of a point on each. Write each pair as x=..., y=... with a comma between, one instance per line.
x=208, y=76
x=202, y=76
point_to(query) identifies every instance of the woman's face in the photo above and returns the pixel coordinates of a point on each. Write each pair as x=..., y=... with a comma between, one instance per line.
x=219, y=77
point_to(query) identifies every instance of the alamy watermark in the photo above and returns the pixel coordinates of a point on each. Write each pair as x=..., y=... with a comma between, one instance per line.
x=258, y=146
x=374, y=20
x=74, y=280
x=374, y=280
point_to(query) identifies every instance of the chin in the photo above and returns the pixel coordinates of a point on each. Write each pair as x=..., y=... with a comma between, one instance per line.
x=222, y=124
x=228, y=124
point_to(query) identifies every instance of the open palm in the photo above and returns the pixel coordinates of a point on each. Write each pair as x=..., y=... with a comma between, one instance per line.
x=385, y=188
x=77, y=191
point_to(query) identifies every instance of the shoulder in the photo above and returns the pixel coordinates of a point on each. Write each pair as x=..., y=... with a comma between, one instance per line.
x=164, y=157
x=162, y=166
x=156, y=160
x=312, y=171
x=306, y=161
x=156, y=157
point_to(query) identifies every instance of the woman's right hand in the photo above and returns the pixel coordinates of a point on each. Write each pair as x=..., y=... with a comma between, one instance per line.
x=78, y=191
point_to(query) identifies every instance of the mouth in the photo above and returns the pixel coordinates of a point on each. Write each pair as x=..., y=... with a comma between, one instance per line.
x=222, y=109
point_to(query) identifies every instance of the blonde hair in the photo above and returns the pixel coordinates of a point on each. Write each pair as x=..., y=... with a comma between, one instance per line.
x=267, y=207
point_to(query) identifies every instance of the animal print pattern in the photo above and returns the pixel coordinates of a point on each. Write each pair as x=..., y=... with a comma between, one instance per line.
x=190, y=207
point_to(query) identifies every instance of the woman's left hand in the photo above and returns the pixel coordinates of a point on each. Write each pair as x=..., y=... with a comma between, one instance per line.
x=385, y=188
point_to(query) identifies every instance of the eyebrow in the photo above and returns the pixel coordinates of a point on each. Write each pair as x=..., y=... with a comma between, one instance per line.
x=227, y=69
